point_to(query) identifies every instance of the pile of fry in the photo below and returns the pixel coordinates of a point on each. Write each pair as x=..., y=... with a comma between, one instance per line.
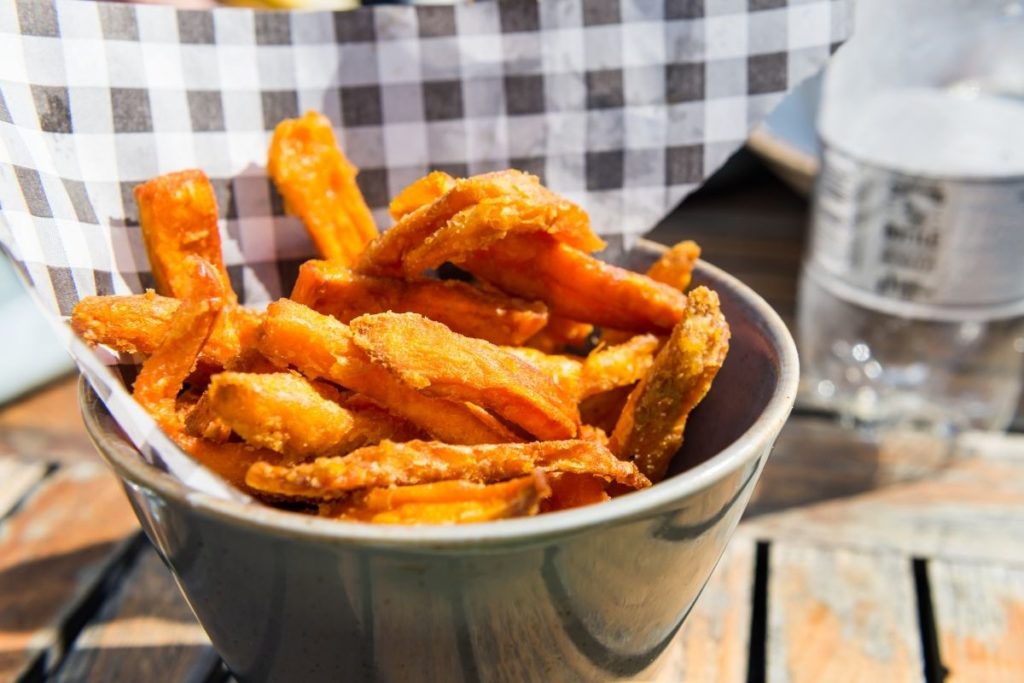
x=380, y=391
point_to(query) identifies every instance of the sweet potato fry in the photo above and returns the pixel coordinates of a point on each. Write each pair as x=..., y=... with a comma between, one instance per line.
x=163, y=374
x=675, y=267
x=621, y=365
x=137, y=323
x=444, y=502
x=423, y=191
x=423, y=462
x=485, y=223
x=560, y=369
x=384, y=255
x=285, y=413
x=321, y=347
x=576, y=285
x=571, y=490
x=429, y=357
x=650, y=429
x=178, y=218
x=335, y=290
x=561, y=333
x=602, y=410
x=203, y=423
x=319, y=185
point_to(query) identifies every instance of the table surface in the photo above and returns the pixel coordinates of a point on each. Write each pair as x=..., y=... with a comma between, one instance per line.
x=900, y=559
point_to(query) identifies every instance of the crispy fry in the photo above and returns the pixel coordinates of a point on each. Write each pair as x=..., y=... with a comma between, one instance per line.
x=444, y=502
x=602, y=410
x=321, y=347
x=622, y=365
x=429, y=357
x=335, y=290
x=485, y=223
x=576, y=285
x=422, y=462
x=650, y=429
x=203, y=423
x=560, y=369
x=423, y=191
x=319, y=185
x=178, y=218
x=384, y=255
x=570, y=490
x=163, y=374
x=285, y=413
x=137, y=323
x=561, y=333
x=675, y=266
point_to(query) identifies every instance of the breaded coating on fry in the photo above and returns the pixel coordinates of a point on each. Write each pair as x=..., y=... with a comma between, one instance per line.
x=163, y=374
x=602, y=410
x=650, y=429
x=570, y=490
x=444, y=502
x=675, y=267
x=319, y=185
x=562, y=370
x=178, y=218
x=384, y=255
x=422, y=462
x=483, y=224
x=285, y=413
x=419, y=193
x=431, y=358
x=576, y=285
x=621, y=365
x=561, y=333
x=333, y=289
x=202, y=422
x=137, y=323
x=321, y=347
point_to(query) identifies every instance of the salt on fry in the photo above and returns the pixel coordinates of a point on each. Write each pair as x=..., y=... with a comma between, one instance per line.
x=444, y=502
x=319, y=185
x=429, y=357
x=285, y=413
x=422, y=462
x=335, y=290
x=576, y=285
x=321, y=347
x=650, y=429
x=178, y=218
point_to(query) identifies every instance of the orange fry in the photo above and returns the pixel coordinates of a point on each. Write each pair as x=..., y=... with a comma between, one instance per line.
x=444, y=502
x=319, y=185
x=335, y=290
x=137, y=323
x=423, y=191
x=321, y=347
x=202, y=422
x=178, y=218
x=570, y=490
x=621, y=365
x=562, y=370
x=675, y=267
x=576, y=285
x=561, y=333
x=285, y=413
x=602, y=410
x=384, y=255
x=423, y=462
x=650, y=429
x=163, y=374
x=485, y=223
x=429, y=357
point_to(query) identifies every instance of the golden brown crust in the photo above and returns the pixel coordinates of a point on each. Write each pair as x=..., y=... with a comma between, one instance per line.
x=675, y=267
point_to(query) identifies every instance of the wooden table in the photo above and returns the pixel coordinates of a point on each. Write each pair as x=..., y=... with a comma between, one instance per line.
x=894, y=561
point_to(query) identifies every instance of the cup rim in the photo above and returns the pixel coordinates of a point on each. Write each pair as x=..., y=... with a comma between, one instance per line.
x=128, y=464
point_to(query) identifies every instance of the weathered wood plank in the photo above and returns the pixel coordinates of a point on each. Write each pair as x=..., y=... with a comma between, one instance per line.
x=46, y=425
x=53, y=552
x=907, y=494
x=17, y=477
x=836, y=615
x=713, y=644
x=979, y=615
x=144, y=632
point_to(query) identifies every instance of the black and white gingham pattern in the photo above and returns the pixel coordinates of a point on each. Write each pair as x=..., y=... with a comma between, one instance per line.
x=622, y=105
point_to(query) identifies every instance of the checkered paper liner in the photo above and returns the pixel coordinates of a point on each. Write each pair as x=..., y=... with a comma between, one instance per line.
x=624, y=106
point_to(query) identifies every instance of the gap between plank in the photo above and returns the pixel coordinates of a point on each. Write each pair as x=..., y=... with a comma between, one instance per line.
x=934, y=670
x=757, y=663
